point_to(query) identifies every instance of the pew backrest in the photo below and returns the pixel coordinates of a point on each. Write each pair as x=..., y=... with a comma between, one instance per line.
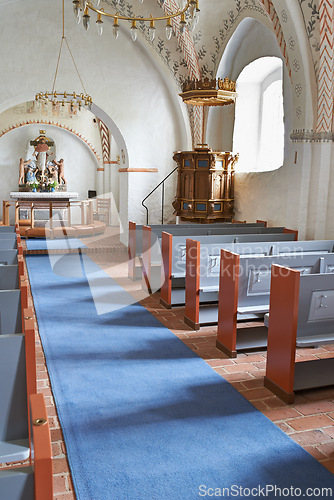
x=9, y=277
x=8, y=257
x=316, y=308
x=136, y=230
x=253, y=244
x=255, y=274
x=8, y=236
x=7, y=229
x=8, y=243
x=32, y=482
x=10, y=312
x=14, y=405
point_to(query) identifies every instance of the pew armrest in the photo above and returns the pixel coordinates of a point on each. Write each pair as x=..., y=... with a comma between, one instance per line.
x=253, y=309
x=266, y=320
x=179, y=275
x=208, y=289
x=14, y=451
x=315, y=340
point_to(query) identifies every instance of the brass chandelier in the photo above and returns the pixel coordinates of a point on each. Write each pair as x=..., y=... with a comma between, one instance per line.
x=187, y=10
x=78, y=99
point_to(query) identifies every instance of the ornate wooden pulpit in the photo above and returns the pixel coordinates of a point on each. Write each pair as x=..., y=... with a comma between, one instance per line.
x=205, y=186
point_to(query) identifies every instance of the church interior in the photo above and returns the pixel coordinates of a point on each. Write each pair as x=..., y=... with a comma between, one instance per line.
x=166, y=249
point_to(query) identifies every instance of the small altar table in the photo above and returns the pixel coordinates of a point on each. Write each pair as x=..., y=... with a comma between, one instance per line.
x=35, y=209
x=38, y=196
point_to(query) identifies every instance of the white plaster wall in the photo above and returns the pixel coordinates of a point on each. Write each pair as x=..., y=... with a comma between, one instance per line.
x=126, y=83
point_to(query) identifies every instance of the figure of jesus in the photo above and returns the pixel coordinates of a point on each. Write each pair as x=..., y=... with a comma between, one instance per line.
x=60, y=164
x=41, y=154
x=22, y=165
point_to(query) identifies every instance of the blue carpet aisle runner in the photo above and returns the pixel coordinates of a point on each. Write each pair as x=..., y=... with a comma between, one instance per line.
x=56, y=244
x=143, y=417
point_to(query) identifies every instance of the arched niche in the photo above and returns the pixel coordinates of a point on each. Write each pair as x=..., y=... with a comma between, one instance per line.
x=76, y=139
x=251, y=40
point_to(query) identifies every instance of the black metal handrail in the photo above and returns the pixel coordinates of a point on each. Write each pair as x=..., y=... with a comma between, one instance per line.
x=162, y=196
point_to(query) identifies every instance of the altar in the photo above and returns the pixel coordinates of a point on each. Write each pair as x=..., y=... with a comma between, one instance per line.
x=35, y=209
x=41, y=196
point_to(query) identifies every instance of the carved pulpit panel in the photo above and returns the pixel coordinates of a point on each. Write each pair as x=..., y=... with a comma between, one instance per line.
x=205, y=188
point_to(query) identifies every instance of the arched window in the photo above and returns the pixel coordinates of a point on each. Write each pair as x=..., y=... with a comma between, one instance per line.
x=259, y=119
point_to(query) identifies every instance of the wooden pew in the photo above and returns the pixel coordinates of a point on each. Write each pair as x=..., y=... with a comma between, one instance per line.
x=12, y=257
x=151, y=244
x=9, y=277
x=202, y=278
x=135, y=240
x=7, y=229
x=14, y=430
x=244, y=291
x=173, y=256
x=33, y=482
x=301, y=310
x=8, y=243
x=12, y=305
x=8, y=236
x=17, y=383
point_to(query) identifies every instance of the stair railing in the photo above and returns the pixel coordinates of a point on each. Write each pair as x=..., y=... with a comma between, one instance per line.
x=162, y=196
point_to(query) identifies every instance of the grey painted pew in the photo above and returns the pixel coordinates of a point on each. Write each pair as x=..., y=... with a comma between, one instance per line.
x=8, y=257
x=145, y=239
x=190, y=229
x=9, y=277
x=17, y=383
x=251, y=268
x=308, y=305
x=33, y=482
x=8, y=243
x=7, y=229
x=244, y=292
x=8, y=236
x=10, y=312
x=173, y=250
x=14, y=435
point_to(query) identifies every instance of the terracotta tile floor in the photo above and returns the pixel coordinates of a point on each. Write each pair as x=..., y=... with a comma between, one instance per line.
x=309, y=421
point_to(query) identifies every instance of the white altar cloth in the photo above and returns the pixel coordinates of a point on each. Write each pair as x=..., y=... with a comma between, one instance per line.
x=30, y=195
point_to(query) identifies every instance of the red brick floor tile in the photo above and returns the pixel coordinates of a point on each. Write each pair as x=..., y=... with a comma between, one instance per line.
x=235, y=377
x=310, y=408
x=59, y=484
x=284, y=427
x=327, y=449
x=60, y=465
x=329, y=431
x=258, y=393
x=260, y=405
x=253, y=383
x=329, y=464
x=219, y=362
x=283, y=413
x=65, y=496
x=315, y=452
x=308, y=438
x=311, y=422
x=246, y=367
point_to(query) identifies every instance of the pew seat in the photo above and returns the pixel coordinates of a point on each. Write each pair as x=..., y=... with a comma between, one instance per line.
x=14, y=433
x=33, y=482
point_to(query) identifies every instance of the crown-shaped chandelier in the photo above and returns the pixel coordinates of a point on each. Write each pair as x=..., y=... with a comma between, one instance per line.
x=187, y=12
x=74, y=99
